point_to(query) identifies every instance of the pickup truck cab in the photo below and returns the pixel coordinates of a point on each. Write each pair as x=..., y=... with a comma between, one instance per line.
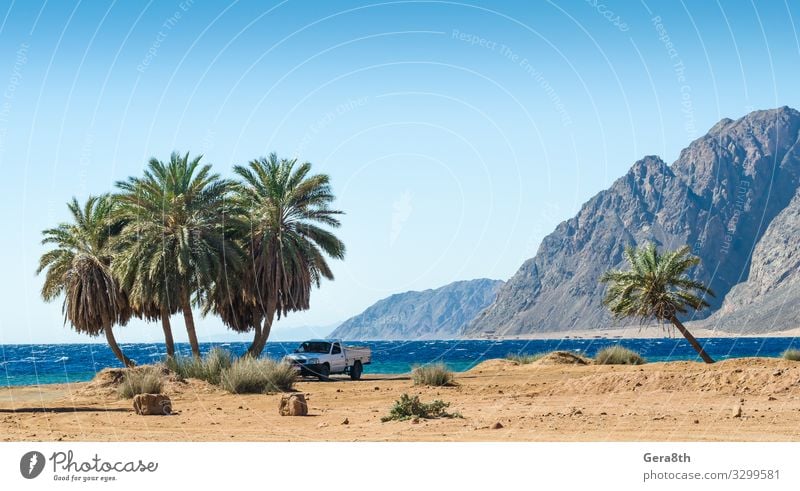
x=323, y=357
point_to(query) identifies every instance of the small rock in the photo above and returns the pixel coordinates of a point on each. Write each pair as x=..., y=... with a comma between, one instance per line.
x=346, y=421
x=603, y=413
x=322, y=425
x=771, y=398
x=293, y=405
x=737, y=412
x=415, y=421
x=496, y=426
x=777, y=372
x=152, y=404
x=697, y=421
x=377, y=388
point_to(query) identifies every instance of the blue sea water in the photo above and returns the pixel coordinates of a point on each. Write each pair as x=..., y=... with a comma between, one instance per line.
x=24, y=364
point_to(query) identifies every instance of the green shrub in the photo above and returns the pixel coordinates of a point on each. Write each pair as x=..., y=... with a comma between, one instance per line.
x=411, y=407
x=617, y=355
x=435, y=374
x=248, y=375
x=141, y=380
x=792, y=354
x=208, y=368
x=524, y=359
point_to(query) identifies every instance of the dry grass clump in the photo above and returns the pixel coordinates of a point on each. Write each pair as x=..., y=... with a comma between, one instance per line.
x=248, y=375
x=208, y=368
x=792, y=355
x=141, y=380
x=618, y=355
x=434, y=374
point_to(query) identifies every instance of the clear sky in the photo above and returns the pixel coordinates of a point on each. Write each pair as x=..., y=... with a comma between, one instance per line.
x=457, y=134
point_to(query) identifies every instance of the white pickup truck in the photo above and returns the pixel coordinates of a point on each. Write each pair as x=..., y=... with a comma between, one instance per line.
x=322, y=357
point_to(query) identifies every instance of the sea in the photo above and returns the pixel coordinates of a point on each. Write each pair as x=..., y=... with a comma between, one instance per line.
x=30, y=364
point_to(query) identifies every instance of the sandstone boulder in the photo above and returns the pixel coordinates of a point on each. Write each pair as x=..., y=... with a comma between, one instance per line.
x=152, y=404
x=293, y=405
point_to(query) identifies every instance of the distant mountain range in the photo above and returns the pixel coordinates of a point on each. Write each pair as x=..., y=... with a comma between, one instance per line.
x=733, y=196
x=431, y=314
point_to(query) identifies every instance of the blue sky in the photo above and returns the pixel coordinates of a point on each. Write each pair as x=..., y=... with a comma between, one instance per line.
x=457, y=134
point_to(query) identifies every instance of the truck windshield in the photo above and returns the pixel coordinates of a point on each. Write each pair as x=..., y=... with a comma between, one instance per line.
x=314, y=347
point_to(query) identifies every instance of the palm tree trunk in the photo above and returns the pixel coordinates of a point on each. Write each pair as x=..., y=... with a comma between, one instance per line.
x=112, y=343
x=188, y=318
x=260, y=340
x=691, y=340
x=168, y=340
x=256, y=338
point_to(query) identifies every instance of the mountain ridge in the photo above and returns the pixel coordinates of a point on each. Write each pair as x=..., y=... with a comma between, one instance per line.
x=719, y=197
x=435, y=313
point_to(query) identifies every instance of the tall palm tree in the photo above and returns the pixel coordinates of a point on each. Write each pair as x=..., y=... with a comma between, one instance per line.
x=148, y=296
x=657, y=287
x=180, y=235
x=79, y=267
x=287, y=210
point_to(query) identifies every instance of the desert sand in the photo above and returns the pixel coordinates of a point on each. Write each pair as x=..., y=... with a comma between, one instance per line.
x=751, y=399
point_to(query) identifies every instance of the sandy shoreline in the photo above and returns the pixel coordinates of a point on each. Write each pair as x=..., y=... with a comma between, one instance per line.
x=645, y=332
x=674, y=401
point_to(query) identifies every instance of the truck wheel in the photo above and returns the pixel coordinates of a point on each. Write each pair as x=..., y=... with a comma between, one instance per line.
x=355, y=371
x=324, y=372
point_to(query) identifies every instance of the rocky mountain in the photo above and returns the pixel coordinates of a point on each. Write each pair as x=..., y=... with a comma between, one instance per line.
x=769, y=299
x=430, y=314
x=731, y=196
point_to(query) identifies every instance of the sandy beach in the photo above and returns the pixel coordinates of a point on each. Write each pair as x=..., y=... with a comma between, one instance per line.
x=752, y=399
x=648, y=332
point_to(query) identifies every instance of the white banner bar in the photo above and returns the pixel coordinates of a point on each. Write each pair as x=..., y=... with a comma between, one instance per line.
x=401, y=466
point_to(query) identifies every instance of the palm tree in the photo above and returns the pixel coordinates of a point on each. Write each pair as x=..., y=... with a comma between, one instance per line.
x=79, y=267
x=148, y=297
x=287, y=211
x=180, y=236
x=657, y=287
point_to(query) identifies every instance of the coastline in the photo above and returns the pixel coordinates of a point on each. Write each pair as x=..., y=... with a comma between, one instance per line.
x=641, y=332
x=746, y=399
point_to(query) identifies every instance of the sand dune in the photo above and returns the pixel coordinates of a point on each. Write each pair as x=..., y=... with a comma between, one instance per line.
x=744, y=399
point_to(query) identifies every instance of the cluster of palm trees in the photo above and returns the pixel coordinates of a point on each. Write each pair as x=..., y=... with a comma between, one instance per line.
x=181, y=237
